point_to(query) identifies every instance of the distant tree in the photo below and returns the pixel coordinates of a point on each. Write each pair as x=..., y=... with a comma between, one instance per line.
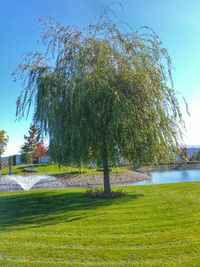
x=33, y=147
x=30, y=140
x=26, y=156
x=3, y=144
x=196, y=156
x=102, y=94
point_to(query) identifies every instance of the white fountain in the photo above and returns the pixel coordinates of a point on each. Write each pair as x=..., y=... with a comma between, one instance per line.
x=12, y=182
x=26, y=182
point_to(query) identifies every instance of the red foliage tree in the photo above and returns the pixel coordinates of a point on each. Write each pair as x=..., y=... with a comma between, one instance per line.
x=39, y=150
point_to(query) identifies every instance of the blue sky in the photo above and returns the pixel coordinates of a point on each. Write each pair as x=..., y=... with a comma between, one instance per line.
x=177, y=22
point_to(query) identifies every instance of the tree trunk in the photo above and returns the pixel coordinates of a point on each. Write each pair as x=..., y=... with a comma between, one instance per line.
x=107, y=188
x=10, y=165
x=10, y=170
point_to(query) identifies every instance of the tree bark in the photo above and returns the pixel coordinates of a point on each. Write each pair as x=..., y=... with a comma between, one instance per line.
x=10, y=165
x=107, y=188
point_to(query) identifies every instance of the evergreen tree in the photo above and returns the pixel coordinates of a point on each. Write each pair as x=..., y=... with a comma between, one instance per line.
x=196, y=156
x=31, y=142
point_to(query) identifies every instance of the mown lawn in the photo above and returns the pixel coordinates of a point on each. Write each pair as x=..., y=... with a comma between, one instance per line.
x=54, y=169
x=156, y=225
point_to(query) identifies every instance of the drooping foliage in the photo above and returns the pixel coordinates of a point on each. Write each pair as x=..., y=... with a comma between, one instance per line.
x=102, y=94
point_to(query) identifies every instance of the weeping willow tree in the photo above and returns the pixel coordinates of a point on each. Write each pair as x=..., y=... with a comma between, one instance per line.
x=102, y=94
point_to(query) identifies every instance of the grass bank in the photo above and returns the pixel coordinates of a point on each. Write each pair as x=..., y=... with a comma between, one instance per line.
x=156, y=225
x=54, y=169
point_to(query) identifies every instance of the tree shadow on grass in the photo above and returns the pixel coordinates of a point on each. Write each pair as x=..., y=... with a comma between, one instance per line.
x=36, y=209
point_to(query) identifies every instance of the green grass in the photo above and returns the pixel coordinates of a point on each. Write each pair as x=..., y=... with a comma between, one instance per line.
x=53, y=169
x=157, y=225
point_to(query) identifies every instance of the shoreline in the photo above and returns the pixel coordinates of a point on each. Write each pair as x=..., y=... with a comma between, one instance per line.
x=80, y=181
x=97, y=179
x=173, y=166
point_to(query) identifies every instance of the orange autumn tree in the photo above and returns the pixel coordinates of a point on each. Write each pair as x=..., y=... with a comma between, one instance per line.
x=3, y=143
x=39, y=150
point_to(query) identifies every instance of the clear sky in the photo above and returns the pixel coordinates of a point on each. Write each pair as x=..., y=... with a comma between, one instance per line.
x=177, y=22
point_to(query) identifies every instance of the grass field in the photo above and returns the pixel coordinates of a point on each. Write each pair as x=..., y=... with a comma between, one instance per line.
x=53, y=169
x=156, y=225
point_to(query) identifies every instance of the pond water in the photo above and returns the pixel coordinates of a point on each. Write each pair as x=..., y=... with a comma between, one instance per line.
x=172, y=176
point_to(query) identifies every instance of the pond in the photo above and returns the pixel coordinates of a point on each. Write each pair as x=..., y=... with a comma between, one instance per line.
x=172, y=176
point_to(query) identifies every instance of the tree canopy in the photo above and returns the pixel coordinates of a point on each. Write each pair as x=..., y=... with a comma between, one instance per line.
x=102, y=94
